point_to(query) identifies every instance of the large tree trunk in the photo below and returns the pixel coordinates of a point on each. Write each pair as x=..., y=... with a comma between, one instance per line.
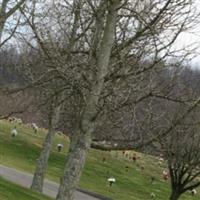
x=174, y=195
x=107, y=145
x=74, y=165
x=38, y=178
x=81, y=142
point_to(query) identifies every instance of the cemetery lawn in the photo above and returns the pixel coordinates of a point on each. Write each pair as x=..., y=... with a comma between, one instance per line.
x=10, y=191
x=21, y=153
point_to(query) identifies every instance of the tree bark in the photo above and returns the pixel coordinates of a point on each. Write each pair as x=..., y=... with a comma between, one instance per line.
x=2, y=18
x=174, y=195
x=74, y=165
x=1, y=30
x=42, y=162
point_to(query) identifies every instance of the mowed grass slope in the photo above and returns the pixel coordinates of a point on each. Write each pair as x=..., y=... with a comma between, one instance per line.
x=10, y=191
x=132, y=183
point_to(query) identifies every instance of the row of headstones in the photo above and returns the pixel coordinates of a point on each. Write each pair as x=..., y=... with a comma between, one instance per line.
x=14, y=133
x=134, y=158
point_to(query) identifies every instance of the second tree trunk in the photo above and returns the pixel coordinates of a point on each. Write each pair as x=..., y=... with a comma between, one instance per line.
x=38, y=178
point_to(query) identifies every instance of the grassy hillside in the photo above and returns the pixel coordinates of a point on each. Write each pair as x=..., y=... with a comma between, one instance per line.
x=132, y=182
x=10, y=191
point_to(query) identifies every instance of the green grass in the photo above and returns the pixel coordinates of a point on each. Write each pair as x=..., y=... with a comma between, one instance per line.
x=10, y=191
x=21, y=153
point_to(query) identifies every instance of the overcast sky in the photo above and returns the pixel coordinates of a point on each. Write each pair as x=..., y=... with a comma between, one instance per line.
x=192, y=38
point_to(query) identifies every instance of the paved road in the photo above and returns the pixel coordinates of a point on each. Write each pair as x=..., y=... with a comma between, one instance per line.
x=24, y=179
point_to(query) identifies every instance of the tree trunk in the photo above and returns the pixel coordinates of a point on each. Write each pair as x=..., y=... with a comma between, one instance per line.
x=74, y=165
x=2, y=19
x=2, y=22
x=38, y=178
x=175, y=195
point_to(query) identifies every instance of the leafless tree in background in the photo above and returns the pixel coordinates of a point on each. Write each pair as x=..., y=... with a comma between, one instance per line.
x=181, y=150
x=179, y=114
x=8, y=9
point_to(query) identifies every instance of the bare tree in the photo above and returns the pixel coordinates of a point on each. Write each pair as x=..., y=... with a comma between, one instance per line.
x=181, y=150
x=176, y=137
x=57, y=105
x=105, y=62
x=7, y=9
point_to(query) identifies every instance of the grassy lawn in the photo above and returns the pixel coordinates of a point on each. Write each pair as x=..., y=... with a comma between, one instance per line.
x=21, y=153
x=10, y=191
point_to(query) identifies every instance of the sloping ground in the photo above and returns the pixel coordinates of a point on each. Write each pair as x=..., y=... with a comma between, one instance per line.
x=132, y=179
x=11, y=191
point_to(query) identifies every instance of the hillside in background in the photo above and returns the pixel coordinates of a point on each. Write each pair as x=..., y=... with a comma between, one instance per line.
x=133, y=178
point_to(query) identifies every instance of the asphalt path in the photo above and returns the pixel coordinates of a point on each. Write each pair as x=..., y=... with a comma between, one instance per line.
x=50, y=188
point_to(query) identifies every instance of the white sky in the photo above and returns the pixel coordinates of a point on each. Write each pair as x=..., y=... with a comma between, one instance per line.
x=191, y=40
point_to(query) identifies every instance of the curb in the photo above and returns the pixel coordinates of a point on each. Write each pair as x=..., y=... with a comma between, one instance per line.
x=99, y=196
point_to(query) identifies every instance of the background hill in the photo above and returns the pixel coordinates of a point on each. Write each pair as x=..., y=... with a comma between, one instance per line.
x=132, y=178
